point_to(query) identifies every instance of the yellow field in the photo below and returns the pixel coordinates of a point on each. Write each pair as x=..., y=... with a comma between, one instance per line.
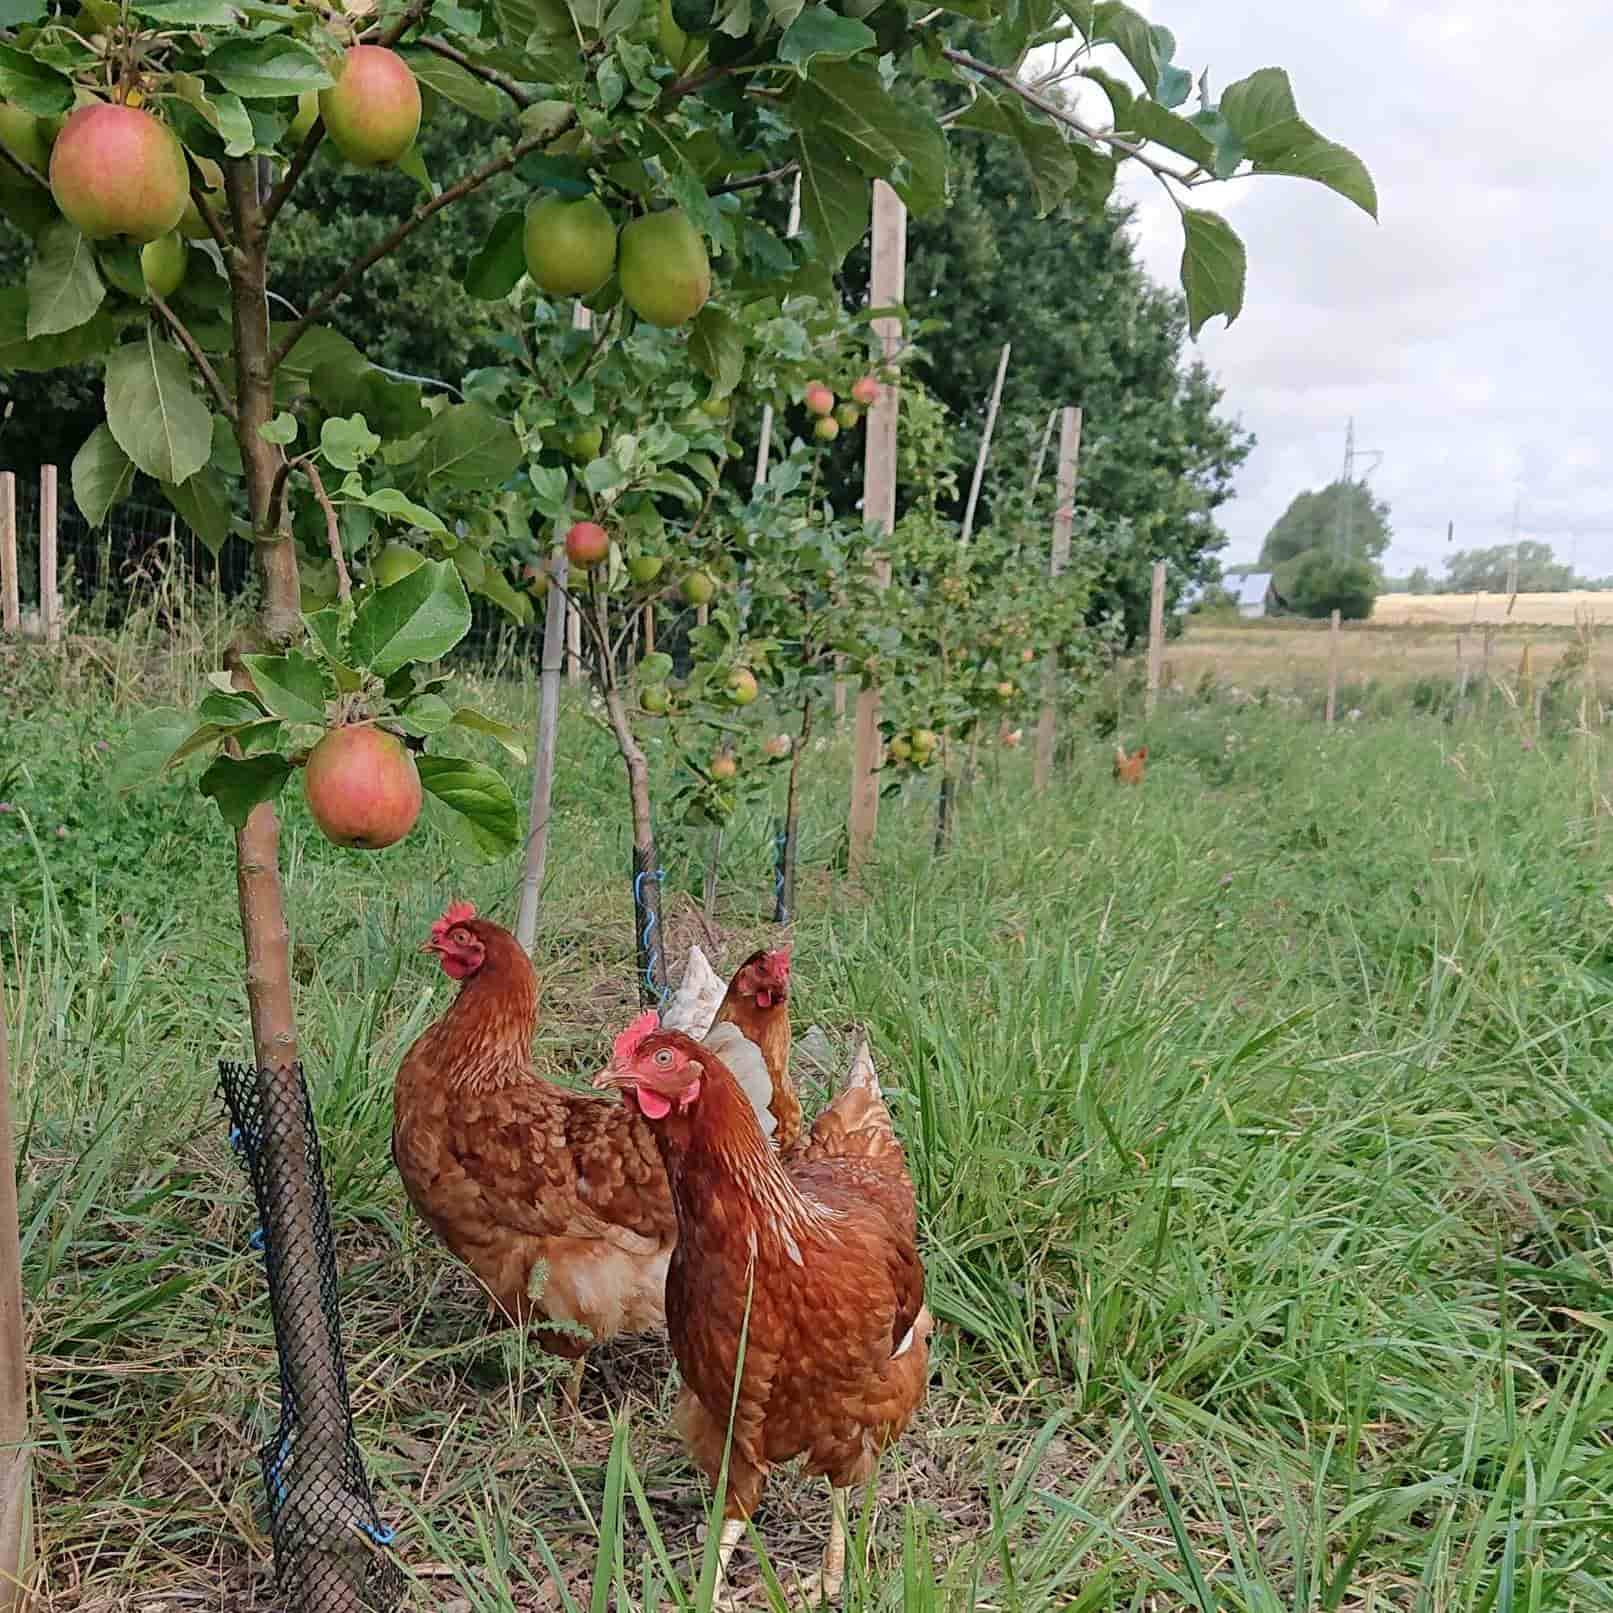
x=1458, y=610
x=1285, y=655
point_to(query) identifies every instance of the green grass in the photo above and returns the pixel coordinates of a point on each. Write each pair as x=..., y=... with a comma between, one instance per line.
x=1261, y=1122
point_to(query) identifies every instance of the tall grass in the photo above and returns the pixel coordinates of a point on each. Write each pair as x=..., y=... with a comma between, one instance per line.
x=1260, y=1120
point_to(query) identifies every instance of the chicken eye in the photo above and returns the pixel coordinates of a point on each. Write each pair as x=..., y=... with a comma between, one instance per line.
x=664, y=1057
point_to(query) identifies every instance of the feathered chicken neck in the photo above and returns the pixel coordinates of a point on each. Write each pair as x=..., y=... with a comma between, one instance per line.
x=718, y=1144
x=484, y=1041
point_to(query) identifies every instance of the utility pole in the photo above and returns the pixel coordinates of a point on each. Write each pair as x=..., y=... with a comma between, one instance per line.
x=1344, y=523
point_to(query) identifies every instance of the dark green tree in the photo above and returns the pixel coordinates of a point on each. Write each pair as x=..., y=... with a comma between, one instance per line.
x=1471, y=571
x=1343, y=518
x=1324, y=582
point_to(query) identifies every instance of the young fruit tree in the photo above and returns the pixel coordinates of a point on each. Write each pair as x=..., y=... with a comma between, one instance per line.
x=127, y=121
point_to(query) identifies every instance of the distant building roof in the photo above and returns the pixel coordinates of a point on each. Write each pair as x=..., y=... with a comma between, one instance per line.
x=1252, y=587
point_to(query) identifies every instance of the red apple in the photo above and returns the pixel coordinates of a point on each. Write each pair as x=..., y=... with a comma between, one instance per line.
x=118, y=171
x=778, y=746
x=722, y=766
x=536, y=579
x=587, y=543
x=865, y=391
x=819, y=399
x=363, y=788
x=372, y=111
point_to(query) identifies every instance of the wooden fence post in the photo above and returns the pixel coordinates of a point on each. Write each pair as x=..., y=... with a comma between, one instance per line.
x=1063, y=523
x=10, y=594
x=50, y=601
x=1333, y=666
x=1156, y=637
x=765, y=446
x=16, y=1463
x=985, y=445
x=886, y=286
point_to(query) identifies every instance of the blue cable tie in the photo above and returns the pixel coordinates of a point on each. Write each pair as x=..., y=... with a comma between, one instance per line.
x=646, y=945
x=383, y=1534
x=256, y=1240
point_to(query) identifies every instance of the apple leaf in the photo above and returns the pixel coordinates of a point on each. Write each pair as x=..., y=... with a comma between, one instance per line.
x=1213, y=267
x=154, y=736
x=188, y=13
x=292, y=686
x=1132, y=34
x=508, y=737
x=497, y=267
x=346, y=444
x=102, y=476
x=1050, y=158
x=154, y=411
x=496, y=587
x=30, y=84
x=267, y=69
x=717, y=348
x=819, y=31
x=240, y=783
x=203, y=504
x=472, y=805
x=282, y=430
x=64, y=286
x=388, y=501
x=229, y=709
x=834, y=199
x=454, y=84
x=425, y=715
x=17, y=353
x=421, y=617
x=468, y=446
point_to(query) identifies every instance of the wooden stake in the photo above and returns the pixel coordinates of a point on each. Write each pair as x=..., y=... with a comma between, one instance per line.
x=1035, y=480
x=50, y=603
x=10, y=596
x=1333, y=666
x=886, y=286
x=765, y=446
x=538, y=811
x=1063, y=524
x=1156, y=637
x=985, y=445
x=16, y=1464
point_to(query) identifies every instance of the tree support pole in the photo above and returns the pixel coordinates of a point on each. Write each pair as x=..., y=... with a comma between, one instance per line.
x=1063, y=525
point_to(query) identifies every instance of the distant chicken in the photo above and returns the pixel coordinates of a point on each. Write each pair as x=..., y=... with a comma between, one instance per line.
x=813, y=1260
x=1129, y=769
x=556, y=1200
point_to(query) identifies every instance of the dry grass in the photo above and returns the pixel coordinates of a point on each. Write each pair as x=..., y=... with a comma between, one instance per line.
x=1289, y=655
x=1464, y=610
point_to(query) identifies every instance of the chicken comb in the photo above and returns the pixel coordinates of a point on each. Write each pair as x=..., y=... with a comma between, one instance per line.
x=454, y=913
x=630, y=1040
x=778, y=961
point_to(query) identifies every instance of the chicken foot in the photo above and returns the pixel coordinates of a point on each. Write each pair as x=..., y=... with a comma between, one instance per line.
x=829, y=1581
x=733, y=1531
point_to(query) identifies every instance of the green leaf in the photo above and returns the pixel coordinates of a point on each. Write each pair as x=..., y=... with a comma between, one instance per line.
x=510, y=738
x=153, y=738
x=292, y=686
x=226, y=452
x=238, y=784
x=426, y=714
x=467, y=445
x=352, y=386
x=17, y=353
x=496, y=587
x=655, y=667
x=473, y=806
x=30, y=84
x=19, y=13
x=1213, y=267
x=154, y=411
x=1153, y=122
x=421, y=617
x=346, y=444
x=188, y=13
x=231, y=710
x=388, y=501
x=819, y=31
x=454, y=84
x=717, y=348
x=413, y=163
x=1258, y=102
x=1132, y=33
x=1296, y=149
x=326, y=629
x=203, y=503
x=282, y=429
x=223, y=113
x=1048, y=155
x=64, y=286
x=496, y=269
x=264, y=69
x=102, y=476
x=834, y=200
x=888, y=136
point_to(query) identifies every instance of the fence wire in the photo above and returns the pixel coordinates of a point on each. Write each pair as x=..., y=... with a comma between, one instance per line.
x=328, y=1538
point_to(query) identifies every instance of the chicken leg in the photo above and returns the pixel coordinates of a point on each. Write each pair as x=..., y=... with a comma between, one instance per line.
x=830, y=1579
x=723, y=1598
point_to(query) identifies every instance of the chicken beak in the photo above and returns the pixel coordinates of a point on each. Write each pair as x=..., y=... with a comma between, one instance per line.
x=611, y=1078
x=427, y=947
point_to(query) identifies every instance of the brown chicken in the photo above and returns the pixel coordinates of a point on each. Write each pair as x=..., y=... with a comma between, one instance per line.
x=556, y=1200
x=1129, y=769
x=821, y=1247
x=752, y=1006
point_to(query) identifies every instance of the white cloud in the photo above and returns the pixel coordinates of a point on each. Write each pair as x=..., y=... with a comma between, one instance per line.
x=1467, y=333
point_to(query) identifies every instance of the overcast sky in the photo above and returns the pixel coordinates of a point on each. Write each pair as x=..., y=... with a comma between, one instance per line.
x=1469, y=332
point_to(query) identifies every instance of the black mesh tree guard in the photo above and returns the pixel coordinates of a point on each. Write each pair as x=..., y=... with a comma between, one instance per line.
x=328, y=1539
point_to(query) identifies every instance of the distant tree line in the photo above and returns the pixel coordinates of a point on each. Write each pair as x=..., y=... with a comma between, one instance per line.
x=1490, y=571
